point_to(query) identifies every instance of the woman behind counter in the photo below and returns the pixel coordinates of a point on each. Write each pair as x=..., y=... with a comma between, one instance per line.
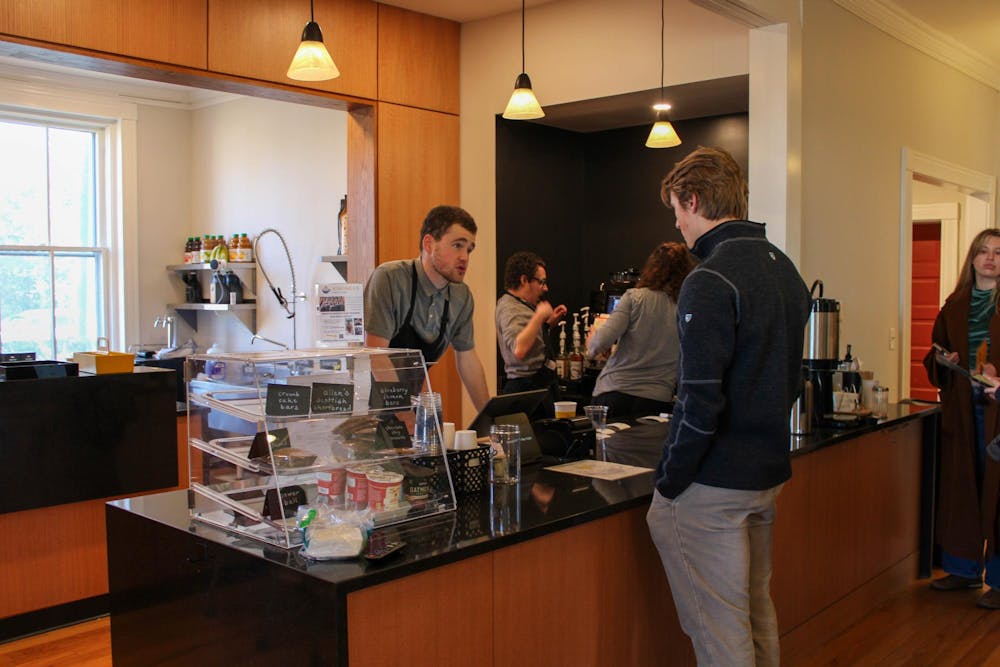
x=970, y=480
x=641, y=376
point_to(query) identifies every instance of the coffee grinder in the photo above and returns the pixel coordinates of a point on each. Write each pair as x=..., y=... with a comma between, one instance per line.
x=821, y=351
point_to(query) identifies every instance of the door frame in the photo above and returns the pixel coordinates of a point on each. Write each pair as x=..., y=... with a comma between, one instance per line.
x=980, y=203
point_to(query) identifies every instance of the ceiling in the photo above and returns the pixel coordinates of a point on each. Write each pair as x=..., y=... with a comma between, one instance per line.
x=973, y=23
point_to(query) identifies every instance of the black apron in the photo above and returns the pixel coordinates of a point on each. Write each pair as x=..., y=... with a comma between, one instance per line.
x=407, y=336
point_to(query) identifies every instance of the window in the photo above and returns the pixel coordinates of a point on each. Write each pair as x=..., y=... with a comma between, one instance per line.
x=54, y=250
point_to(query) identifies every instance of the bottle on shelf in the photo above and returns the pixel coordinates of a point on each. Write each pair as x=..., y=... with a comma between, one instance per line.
x=246, y=249
x=195, y=254
x=234, y=248
x=562, y=361
x=342, y=227
x=206, y=248
x=187, y=250
x=576, y=356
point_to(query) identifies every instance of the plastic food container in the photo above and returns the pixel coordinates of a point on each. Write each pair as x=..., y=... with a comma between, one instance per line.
x=104, y=360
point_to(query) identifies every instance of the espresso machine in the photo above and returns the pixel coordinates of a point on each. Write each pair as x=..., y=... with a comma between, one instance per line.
x=821, y=352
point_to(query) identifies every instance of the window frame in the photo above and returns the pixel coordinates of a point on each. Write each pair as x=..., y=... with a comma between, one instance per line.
x=116, y=194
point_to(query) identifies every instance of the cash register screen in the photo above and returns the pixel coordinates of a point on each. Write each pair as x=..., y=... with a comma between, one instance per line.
x=613, y=300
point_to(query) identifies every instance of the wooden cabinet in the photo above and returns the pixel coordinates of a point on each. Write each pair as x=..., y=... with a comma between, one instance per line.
x=257, y=39
x=418, y=59
x=438, y=617
x=168, y=31
x=417, y=170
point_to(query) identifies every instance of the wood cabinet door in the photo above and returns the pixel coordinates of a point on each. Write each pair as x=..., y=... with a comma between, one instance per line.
x=418, y=59
x=417, y=170
x=257, y=39
x=169, y=31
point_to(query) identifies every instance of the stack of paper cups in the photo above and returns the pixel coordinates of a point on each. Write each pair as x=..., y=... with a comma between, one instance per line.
x=465, y=440
x=448, y=429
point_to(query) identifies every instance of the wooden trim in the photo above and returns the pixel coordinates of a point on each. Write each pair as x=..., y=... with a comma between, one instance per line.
x=362, y=192
x=827, y=624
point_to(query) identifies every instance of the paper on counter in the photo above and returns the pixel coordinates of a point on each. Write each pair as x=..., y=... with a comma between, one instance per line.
x=599, y=469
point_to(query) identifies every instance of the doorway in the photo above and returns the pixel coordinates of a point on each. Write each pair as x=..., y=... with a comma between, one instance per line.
x=973, y=198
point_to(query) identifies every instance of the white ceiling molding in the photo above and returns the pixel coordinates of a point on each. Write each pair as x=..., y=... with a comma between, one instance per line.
x=736, y=10
x=905, y=27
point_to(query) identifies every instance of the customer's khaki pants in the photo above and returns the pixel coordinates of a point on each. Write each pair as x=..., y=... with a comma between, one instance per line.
x=715, y=545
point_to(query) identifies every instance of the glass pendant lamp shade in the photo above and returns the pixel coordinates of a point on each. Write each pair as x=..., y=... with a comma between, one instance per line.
x=663, y=135
x=523, y=105
x=312, y=62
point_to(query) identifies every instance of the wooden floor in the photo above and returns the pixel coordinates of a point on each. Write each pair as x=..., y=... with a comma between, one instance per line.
x=915, y=627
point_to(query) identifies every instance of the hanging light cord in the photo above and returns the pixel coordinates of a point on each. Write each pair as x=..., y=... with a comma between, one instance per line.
x=663, y=27
x=312, y=15
x=522, y=35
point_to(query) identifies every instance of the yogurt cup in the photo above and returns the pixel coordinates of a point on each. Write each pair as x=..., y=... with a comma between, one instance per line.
x=384, y=490
x=357, y=486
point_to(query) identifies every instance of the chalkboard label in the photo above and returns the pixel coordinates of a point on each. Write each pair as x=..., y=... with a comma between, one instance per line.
x=279, y=440
x=291, y=498
x=391, y=433
x=389, y=395
x=332, y=397
x=286, y=400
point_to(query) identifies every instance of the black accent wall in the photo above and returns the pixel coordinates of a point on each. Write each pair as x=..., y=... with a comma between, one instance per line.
x=589, y=204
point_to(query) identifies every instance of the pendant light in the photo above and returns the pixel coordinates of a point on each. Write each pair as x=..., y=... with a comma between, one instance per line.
x=312, y=62
x=663, y=134
x=523, y=105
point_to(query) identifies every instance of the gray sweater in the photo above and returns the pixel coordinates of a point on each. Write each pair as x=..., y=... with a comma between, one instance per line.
x=645, y=363
x=741, y=320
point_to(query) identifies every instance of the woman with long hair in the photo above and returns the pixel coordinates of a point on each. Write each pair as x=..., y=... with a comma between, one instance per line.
x=968, y=328
x=641, y=376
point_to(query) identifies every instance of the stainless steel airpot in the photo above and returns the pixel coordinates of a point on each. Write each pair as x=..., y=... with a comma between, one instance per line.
x=822, y=341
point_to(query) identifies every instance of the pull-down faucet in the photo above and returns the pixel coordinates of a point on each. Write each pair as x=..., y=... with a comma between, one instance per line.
x=256, y=337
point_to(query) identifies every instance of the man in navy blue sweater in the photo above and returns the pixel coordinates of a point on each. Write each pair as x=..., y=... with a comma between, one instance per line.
x=741, y=316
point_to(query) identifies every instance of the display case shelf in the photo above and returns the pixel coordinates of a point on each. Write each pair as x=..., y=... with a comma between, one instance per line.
x=278, y=431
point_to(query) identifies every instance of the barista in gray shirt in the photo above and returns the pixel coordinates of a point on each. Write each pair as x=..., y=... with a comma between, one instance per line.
x=641, y=376
x=522, y=319
x=424, y=303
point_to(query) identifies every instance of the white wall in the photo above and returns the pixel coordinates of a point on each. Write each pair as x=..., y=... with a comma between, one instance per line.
x=240, y=166
x=865, y=97
x=259, y=164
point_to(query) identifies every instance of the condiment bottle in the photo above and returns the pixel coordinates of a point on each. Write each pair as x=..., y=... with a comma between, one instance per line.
x=234, y=248
x=246, y=249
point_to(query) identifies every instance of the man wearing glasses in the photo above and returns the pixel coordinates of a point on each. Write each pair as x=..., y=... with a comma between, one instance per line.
x=523, y=319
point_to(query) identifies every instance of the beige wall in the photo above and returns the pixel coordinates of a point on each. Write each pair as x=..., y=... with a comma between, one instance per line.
x=576, y=50
x=856, y=97
x=865, y=97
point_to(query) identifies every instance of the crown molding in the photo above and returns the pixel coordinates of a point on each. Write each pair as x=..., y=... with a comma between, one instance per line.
x=905, y=27
x=736, y=10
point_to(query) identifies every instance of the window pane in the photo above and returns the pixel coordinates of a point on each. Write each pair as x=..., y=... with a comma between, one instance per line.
x=26, y=304
x=23, y=208
x=77, y=303
x=71, y=187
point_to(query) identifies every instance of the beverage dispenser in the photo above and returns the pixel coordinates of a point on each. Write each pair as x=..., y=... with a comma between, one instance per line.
x=821, y=352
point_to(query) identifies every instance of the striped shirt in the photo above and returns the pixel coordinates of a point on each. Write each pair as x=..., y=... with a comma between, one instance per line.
x=981, y=310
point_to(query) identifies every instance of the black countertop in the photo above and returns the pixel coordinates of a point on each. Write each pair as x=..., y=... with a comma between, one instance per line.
x=544, y=502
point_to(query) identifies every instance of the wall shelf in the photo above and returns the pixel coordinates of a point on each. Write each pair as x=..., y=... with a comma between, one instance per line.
x=339, y=262
x=246, y=312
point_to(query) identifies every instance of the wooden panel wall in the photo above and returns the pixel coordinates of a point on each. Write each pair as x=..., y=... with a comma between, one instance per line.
x=849, y=513
x=257, y=39
x=169, y=31
x=56, y=555
x=439, y=617
x=417, y=60
x=417, y=170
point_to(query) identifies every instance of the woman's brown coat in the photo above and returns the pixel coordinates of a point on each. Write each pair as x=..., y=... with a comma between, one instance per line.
x=965, y=518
